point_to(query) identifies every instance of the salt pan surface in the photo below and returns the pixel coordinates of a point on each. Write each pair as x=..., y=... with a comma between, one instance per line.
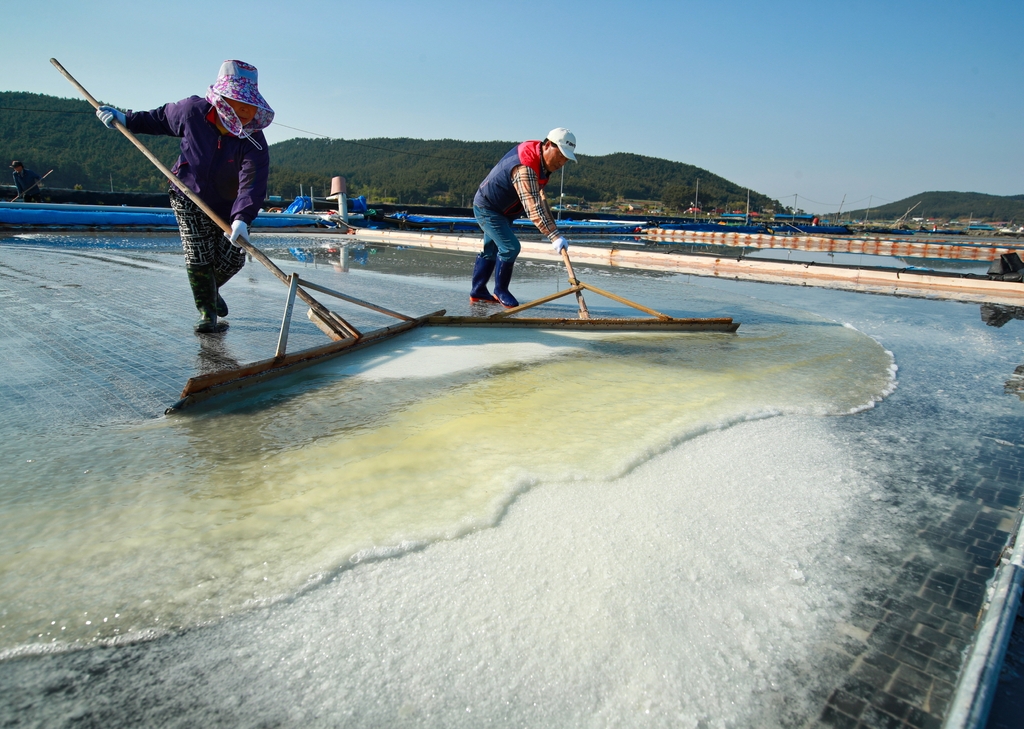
x=396, y=447
x=697, y=590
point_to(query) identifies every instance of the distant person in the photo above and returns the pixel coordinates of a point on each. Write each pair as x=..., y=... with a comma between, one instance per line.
x=224, y=160
x=516, y=184
x=27, y=183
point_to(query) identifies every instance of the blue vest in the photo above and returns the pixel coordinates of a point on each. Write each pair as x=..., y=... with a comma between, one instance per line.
x=497, y=192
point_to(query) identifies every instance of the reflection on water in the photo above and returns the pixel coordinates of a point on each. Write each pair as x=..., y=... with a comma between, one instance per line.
x=214, y=354
x=996, y=315
x=1015, y=385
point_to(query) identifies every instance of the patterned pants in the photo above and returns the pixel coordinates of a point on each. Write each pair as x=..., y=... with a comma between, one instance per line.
x=204, y=241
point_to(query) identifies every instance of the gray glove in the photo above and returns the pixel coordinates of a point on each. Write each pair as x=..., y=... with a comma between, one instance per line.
x=108, y=114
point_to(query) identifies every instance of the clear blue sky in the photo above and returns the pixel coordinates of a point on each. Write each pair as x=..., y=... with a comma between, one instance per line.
x=820, y=99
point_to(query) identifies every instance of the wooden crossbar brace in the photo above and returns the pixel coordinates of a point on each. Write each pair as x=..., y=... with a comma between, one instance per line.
x=578, y=287
x=282, y=339
x=584, y=313
x=297, y=284
x=353, y=300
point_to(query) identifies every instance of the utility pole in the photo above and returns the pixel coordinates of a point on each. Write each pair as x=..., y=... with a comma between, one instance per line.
x=561, y=195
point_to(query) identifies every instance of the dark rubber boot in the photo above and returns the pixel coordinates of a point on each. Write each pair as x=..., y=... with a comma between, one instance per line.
x=204, y=291
x=481, y=275
x=222, y=306
x=502, y=276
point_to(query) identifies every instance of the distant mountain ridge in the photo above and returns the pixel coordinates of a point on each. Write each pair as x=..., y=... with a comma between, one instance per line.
x=48, y=132
x=61, y=134
x=948, y=206
x=448, y=172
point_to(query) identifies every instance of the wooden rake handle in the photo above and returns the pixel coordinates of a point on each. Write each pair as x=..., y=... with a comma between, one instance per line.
x=573, y=281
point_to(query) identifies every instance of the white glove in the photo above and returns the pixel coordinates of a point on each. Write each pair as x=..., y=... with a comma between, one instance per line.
x=560, y=244
x=238, y=230
x=108, y=114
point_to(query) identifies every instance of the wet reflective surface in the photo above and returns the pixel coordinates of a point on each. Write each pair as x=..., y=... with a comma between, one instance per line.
x=769, y=528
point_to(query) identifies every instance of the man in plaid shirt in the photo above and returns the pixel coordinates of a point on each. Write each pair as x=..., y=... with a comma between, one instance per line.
x=514, y=186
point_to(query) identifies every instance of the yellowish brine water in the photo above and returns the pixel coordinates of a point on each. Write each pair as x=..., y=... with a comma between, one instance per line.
x=179, y=521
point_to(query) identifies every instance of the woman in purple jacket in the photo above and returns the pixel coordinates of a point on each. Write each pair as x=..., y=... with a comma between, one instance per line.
x=224, y=160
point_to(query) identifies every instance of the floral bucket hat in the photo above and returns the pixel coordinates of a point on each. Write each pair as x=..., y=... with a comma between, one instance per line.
x=237, y=80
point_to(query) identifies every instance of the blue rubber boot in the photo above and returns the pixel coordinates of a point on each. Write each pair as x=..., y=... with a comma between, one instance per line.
x=502, y=276
x=481, y=275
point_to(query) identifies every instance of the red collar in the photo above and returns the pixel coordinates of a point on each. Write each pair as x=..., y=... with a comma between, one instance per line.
x=212, y=118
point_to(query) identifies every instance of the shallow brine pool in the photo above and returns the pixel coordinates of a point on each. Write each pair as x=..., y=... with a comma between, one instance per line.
x=464, y=527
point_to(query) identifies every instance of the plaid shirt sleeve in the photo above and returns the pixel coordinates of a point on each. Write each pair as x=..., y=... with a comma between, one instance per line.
x=536, y=205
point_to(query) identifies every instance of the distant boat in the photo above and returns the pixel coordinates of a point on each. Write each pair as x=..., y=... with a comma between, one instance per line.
x=887, y=231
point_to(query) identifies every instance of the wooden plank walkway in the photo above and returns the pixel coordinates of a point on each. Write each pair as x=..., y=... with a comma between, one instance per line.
x=876, y=280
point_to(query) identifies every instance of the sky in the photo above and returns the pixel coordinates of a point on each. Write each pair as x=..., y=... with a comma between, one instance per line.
x=821, y=103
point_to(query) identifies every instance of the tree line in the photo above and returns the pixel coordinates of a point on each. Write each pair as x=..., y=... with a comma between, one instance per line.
x=448, y=172
x=62, y=134
x=48, y=132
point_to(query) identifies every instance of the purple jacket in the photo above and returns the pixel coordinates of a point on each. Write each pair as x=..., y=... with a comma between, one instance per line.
x=229, y=174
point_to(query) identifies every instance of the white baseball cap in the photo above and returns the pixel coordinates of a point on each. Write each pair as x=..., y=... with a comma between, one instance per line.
x=565, y=141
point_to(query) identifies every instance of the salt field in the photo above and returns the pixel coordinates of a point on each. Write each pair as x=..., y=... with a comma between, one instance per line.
x=791, y=525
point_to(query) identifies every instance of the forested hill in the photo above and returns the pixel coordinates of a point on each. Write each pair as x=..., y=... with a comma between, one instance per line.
x=448, y=172
x=46, y=132
x=948, y=206
x=64, y=135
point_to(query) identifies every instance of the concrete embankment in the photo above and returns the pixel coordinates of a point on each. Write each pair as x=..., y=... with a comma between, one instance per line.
x=867, y=279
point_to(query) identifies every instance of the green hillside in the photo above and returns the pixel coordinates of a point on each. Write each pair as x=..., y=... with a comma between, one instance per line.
x=64, y=135
x=448, y=172
x=948, y=206
x=47, y=132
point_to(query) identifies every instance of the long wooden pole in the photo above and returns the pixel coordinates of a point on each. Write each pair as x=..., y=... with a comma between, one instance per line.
x=333, y=321
x=584, y=313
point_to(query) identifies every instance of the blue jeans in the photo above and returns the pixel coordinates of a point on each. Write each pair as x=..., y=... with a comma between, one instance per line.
x=499, y=239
